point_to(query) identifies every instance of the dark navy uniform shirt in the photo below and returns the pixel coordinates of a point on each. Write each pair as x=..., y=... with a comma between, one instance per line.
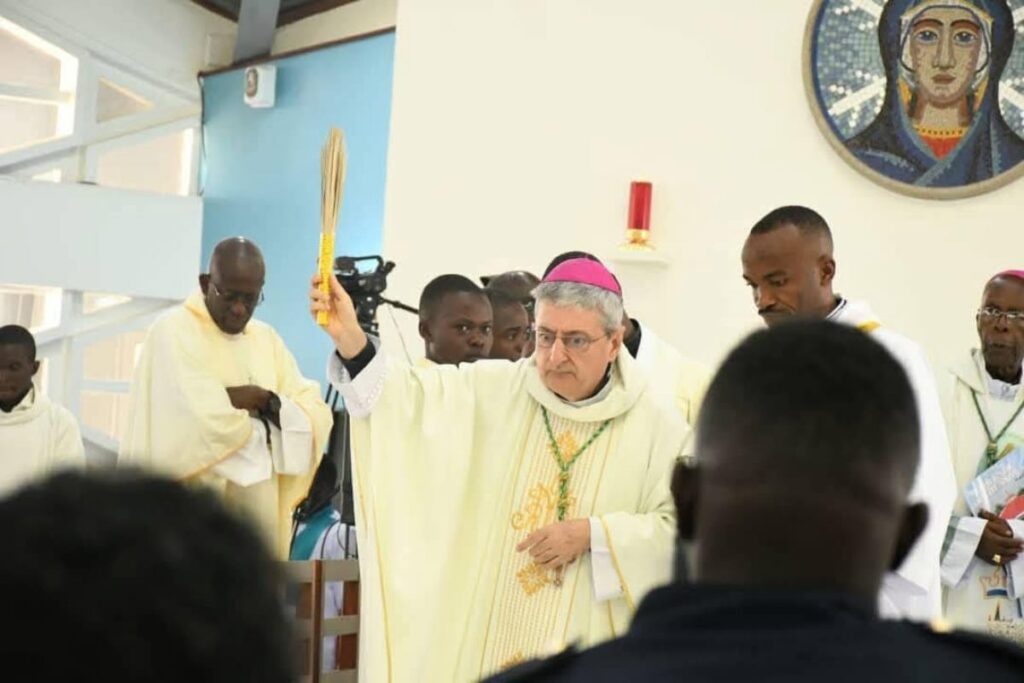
x=708, y=634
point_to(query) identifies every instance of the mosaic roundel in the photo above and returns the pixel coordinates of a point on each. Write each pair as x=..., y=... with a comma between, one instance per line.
x=923, y=96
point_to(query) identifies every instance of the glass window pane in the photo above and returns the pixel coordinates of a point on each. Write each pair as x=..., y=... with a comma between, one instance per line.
x=37, y=308
x=105, y=412
x=23, y=123
x=114, y=358
x=97, y=301
x=113, y=101
x=23, y=64
x=51, y=176
x=158, y=165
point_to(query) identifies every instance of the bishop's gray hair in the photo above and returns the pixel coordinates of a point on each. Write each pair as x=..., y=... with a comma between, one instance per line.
x=578, y=295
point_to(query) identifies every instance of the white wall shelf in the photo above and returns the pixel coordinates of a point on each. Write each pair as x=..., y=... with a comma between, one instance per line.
x=637, y=257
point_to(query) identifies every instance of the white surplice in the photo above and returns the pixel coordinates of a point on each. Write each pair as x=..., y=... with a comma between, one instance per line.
x=914, y=591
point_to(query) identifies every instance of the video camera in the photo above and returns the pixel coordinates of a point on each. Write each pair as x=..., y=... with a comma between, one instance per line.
x=365, y=287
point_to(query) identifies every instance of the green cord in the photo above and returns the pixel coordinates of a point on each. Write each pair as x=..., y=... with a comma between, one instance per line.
x=565, y=466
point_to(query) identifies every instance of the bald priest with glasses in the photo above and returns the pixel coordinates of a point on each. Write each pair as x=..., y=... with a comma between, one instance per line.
x=217, y=399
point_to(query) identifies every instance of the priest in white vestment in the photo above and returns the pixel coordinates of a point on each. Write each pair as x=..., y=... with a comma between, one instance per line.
x=36, y=436
x=788, y=264
x=505, y=510
x=218, y=399
x=982, y=564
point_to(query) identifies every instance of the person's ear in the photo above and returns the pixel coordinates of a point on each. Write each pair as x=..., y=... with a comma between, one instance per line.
x=204, y=282
x=685, y=493
x=827, y=267
x=616, y=339
x=425, y=332
x=35, y=368
x=915, y=518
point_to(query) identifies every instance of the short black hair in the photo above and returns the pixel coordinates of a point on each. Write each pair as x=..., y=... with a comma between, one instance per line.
x=812, y=402
x=139, y=579
x=510, y=279
x=501, y=299
x=441, y=286
x=807, y=221
x=568, y=256
x=16, y=335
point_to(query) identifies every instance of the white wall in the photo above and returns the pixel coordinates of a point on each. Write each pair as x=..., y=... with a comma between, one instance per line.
x=348, y=20
x=98, y=239
x=164, y=40
x=517, y=126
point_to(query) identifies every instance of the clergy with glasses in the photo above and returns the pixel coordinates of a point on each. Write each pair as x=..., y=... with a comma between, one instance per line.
x=218, y=399
x=505, y=510
x=986, y=425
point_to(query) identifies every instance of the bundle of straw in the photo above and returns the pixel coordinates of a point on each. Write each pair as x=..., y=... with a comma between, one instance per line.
x=332, y=187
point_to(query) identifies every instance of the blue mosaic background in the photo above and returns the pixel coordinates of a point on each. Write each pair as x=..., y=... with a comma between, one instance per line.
x=848, y=61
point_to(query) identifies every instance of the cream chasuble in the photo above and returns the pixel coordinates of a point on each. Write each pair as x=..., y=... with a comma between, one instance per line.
x=980, y=596
x=182, y=424
x=36, y=438
x=453, y=468
x=914, y=590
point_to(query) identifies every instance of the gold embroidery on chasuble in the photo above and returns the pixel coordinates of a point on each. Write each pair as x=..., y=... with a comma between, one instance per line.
x=530, y=610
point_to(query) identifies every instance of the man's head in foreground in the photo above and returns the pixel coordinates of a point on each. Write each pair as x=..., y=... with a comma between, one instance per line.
x=124, y=577
x=807, y=446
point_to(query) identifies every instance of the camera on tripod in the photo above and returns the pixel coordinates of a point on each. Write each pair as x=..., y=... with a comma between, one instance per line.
x=366, y=286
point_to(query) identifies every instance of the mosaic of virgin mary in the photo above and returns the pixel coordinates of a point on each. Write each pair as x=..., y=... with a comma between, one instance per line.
x=924, y=104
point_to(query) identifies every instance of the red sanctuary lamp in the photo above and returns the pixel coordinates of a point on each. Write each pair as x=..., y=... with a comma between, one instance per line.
x=638, y=224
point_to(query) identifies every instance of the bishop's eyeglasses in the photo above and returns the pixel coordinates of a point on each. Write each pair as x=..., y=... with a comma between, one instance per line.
x=575, y=342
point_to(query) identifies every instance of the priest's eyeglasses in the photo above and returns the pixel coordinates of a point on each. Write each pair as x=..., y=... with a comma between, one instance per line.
x=993, y=314
x=573, y=342
x=247, y=300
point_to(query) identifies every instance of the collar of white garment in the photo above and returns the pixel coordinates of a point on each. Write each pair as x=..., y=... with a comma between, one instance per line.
x=196, y=305
x=26, y=410
x=1001, y=390
x=972, y=372
x=28, y=402
x=853, y=313
x=599, y=396
x=623, y=389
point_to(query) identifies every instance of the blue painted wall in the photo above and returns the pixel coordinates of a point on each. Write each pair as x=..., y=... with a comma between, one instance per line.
x=261, y=173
